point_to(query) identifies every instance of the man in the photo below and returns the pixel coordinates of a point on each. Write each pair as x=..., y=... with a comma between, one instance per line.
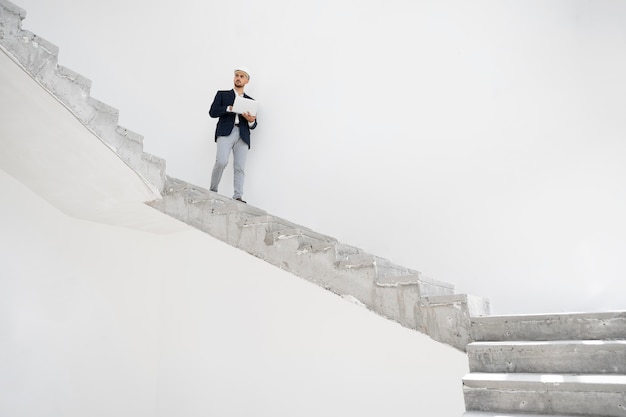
x=232, y=133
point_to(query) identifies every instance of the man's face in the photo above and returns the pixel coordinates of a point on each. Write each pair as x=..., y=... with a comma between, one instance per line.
x=241, y=79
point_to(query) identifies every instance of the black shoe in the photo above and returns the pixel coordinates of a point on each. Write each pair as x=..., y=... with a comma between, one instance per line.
x=239, y=199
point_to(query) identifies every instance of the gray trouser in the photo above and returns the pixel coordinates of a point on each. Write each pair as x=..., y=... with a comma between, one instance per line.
x=225, y=144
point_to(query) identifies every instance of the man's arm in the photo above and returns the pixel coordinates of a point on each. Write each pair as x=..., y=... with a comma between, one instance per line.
x=219, y=108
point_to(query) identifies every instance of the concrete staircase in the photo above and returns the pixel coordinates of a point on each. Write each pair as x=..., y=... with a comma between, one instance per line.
x=393, y=291
x=549, y=365
x=513, y=360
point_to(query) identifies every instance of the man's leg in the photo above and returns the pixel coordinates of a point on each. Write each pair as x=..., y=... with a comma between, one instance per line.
x=224, y=146
x=240, y=153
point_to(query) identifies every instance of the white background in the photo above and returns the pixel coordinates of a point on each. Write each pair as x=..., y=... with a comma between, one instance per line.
x=480, y=142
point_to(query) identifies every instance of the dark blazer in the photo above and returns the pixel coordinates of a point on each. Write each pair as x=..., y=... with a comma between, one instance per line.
x=226, y=122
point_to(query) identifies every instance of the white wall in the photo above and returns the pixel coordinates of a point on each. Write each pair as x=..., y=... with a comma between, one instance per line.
x=78, y=313
x=479, y=142
x=99, y=320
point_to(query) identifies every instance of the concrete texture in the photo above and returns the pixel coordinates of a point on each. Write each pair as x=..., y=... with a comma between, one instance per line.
x=573, y=364
x=582, y=395
x=486, y=414
x=581, y=326
x=555, y=357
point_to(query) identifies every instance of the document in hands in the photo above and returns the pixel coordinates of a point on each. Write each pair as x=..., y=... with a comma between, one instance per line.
x=244, y=105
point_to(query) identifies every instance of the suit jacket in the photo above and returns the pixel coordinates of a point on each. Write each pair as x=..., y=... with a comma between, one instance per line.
x=226, y=122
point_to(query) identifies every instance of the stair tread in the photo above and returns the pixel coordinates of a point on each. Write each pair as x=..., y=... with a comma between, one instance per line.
x=556, y=316
x=613, y=342
x=489, y=414
x=597, y=380
x=609, y=325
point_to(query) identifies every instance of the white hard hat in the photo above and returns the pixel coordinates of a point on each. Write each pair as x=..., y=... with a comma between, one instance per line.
x=244, y=70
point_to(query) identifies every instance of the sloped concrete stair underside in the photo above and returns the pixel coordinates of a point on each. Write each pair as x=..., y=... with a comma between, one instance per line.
x=550, y=365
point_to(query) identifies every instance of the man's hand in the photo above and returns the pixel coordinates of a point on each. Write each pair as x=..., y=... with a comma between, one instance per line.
x=249, y=117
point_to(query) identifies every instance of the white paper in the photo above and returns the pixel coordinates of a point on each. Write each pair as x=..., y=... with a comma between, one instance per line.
x=244, y=105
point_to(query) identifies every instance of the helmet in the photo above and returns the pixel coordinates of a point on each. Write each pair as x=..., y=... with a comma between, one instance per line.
x=244, y=70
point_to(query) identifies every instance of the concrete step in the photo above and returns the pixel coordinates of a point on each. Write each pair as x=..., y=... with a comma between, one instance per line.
x=153, y=170
x=36, y=55
x=428, y=286
x=378, y=268
x=576, y=326
x=399, y=297
x=210, y=212
x=128, y=143
x=182, y=192
x=565, y=356
x=546, y=394
x=294, y=249
x=71, y=88
x=11, y=17
x=268, y=237
x=446, y=318
x=485, y=414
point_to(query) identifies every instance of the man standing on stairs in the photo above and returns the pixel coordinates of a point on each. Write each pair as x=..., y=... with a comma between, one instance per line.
x=232, y=133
